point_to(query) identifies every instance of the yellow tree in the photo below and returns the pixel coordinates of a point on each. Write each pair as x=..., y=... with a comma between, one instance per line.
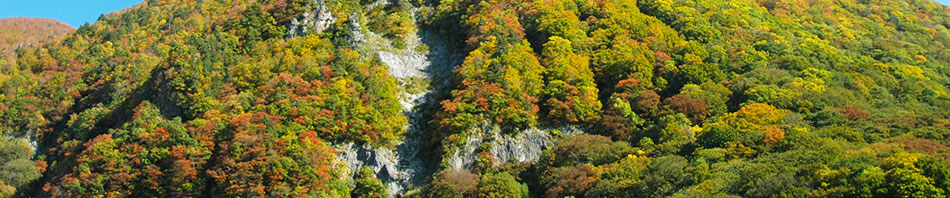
x=571, y=95
x=751, y=119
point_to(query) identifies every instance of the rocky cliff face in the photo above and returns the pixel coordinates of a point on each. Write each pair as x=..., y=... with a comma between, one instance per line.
x=522, y=147
x=384, y=162
x=314, y=21
x=401, y=167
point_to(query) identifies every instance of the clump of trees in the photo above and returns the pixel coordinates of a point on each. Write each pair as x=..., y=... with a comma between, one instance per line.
x=17, y=169
x=500, y=80
x=393, y=21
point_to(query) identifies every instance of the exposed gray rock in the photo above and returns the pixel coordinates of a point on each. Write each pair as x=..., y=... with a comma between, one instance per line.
x=402, y=167
x=464, y=157
x=377, y=3
x=314, y=21
x=405, y=66
x=357, y=31
x=383, y=162
x=31, y=142
x=525, y=146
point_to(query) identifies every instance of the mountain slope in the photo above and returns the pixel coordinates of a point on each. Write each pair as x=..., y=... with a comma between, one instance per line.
x=21, y=31
x=19, y=169
x=553, y=98
x=214, y=95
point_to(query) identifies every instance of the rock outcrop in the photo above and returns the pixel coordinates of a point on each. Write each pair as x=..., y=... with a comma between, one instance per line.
x=314, y=21
x=402, y=167
x=524, y=146
x=384, y=162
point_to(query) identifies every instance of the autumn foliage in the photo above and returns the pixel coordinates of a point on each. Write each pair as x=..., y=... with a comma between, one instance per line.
x=20, y=31
x=500, y=80
x=584, y=98
x=852, y=113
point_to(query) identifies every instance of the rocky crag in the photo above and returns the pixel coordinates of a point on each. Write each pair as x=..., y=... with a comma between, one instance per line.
x=424, y=70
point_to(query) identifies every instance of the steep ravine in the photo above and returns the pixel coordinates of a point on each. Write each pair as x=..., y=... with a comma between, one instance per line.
x=424, y=71
x=421, y=71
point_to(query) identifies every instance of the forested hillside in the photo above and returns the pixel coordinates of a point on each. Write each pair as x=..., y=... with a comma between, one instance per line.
x=21, y=31
x=485, y=98
x=17, y=169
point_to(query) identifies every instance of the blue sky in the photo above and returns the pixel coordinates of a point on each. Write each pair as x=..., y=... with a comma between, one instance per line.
x=78, y=12
x=73, y=12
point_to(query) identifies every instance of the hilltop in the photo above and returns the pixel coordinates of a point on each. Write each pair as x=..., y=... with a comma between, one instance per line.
x=21, y=31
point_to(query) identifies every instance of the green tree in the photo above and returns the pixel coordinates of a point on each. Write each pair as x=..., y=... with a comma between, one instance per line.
x=16, y=167
x=713, y=94
x=368, y=186
x=581, y=149
x=501, y=185
x=903, y=182
x=752, y=119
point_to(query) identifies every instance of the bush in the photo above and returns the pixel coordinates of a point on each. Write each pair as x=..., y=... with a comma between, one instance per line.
x=454, y=183
x=501, y=185
x=367, y=186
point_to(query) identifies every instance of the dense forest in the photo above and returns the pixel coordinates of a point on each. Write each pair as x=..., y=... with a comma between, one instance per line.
x=17, y=168
x=633, y=98
x=21, y=31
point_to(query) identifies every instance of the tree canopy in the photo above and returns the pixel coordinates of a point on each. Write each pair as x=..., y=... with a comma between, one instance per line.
x=632, y=98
